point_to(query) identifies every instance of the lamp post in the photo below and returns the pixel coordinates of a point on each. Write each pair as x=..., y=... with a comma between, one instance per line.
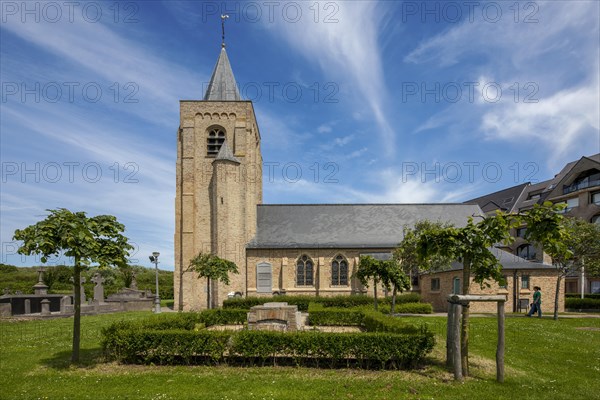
x=154, y=259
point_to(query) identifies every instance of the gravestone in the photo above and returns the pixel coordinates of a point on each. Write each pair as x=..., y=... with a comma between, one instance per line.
x=64, y=302
x=133, y=282
x=27, y=303
x=98, y=288
x=45, y=307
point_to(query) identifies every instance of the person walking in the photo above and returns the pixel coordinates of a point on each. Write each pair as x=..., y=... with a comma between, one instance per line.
x=536, y=306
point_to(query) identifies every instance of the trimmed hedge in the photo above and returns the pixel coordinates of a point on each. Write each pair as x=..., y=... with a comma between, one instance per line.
x=408, y=308
x=586, y=295
x=335, y=302
x=318, y=315
x=582, y=304
x=177, y=340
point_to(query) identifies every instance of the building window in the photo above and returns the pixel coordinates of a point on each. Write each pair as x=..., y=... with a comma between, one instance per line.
x=595, y=287
x=596, y=198
x=264, y=278
x=304, y=271
x=527, y=251
x=435, y=284
x=505, y=279
x=525, y=282
x=456, y=286
x=571, y=204
x=339, y=271
x=216, y=137
x=521, y=232
x=596, y=219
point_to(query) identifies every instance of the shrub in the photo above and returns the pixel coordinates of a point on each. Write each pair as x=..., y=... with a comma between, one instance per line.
x=223, y=317
x=173, y=339
x=586, y=295
x=318, y=315
x=408, y=308
x=376, y=322
x=249, y=302
x=303, y=301
x=582, y=304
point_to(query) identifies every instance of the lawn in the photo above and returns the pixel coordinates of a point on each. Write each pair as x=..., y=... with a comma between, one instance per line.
x=544, y=359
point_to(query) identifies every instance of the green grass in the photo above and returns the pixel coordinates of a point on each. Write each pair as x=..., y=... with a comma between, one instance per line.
x=544, y=359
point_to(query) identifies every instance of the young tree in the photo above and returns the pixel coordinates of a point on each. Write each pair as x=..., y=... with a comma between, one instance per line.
x=470, y=244
x=407, y=254
x=212, y=268
x=88, y=240
x=369, y=269
x=396, y=278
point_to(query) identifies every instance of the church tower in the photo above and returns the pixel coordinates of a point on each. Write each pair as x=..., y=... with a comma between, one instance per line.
x=219, y=185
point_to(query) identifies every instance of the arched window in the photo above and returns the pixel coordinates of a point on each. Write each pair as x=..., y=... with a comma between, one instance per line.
x=339, y=271
x=216, y=137
x=304, y=271
x=527, y=251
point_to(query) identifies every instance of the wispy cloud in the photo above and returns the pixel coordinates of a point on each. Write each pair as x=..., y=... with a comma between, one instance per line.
x=345, y=52
x=563, y=116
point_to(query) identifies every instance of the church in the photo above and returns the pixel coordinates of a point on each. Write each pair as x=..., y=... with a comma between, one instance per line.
x=293, y=249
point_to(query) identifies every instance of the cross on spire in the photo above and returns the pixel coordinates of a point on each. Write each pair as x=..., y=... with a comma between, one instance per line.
x=223, y=18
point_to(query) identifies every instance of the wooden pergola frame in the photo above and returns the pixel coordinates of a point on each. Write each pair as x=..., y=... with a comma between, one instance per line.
x=453, y=350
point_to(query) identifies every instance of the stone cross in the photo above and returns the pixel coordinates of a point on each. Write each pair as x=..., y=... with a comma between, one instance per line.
x=40, y=272
x=99, y=288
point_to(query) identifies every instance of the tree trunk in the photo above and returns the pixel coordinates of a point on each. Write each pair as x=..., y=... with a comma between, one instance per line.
x=556, y=295
x=393, y=310
x=464, y=334
x=375, y=292
x=77, y=309
x=208, y=295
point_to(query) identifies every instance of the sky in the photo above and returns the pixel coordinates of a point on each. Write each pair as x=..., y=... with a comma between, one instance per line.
x=357, y=102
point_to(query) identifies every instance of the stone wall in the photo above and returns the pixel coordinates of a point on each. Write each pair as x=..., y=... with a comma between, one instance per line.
x=283, y=262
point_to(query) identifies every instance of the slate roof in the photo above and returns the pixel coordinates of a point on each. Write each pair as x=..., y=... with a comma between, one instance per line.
x=222, y=86
x=509, y=261
x=348, y=225
x=500, y=200
x=225, y=153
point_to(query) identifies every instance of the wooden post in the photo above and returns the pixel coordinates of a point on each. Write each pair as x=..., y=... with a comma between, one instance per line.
x=449, y=334
x=500, y=349
x=456, y=342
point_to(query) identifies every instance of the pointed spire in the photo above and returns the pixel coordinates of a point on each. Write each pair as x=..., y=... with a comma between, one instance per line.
x=225, y=153
x=222, y=85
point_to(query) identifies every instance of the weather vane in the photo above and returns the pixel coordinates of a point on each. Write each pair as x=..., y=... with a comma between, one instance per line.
x=223, y=18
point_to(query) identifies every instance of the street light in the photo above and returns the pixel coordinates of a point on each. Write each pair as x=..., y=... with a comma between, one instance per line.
x=154, y=259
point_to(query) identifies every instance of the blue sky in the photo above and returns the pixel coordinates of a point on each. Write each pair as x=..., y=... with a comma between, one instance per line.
x=357, y=102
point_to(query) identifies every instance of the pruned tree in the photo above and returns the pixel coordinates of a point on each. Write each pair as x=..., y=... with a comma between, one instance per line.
x=88, y=240
x=395, y=278
x=213, y=268
x=369, y=269
x=472, y=245
x=407, y=255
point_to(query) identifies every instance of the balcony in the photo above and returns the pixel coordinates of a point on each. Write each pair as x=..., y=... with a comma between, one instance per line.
x=584, y=184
